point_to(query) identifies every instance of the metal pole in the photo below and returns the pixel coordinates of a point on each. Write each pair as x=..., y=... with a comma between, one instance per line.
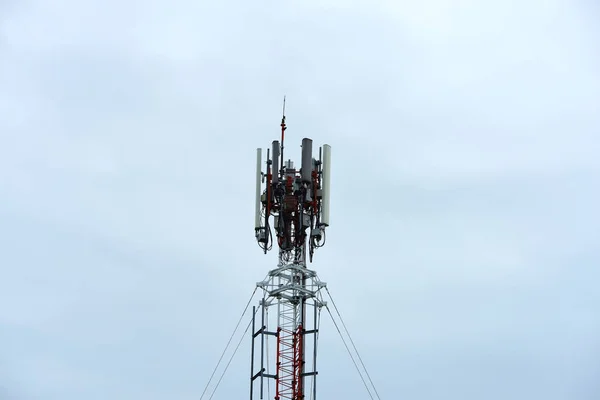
x=262, y=348
x=315, y=354
x=303, y=369
x=252, y=353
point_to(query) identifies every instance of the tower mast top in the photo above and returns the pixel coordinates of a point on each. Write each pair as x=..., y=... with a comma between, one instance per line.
x=292, y=209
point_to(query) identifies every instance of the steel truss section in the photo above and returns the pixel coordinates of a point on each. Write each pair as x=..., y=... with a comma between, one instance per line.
x=294, y=290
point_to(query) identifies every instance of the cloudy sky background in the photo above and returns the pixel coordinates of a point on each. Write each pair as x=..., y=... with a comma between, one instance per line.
x=463, y=250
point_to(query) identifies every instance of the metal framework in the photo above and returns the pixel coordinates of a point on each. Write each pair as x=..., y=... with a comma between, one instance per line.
x=298, y=201
x=295, y=291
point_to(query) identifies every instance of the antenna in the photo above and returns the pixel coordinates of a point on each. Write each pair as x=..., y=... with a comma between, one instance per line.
x=298, y=202
x=283, y=128
x=284, y=105
x=258, y=179
x=326, y=180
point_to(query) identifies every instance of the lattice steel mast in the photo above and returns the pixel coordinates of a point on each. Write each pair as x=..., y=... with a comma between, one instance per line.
x=298, y=201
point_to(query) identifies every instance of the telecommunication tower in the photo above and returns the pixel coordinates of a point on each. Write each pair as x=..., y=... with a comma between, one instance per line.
x=292, y=210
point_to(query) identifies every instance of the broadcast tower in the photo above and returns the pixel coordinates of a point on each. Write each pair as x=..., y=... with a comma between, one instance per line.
x=292, y=210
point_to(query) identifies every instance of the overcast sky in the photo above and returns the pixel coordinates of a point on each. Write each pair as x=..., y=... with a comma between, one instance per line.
x=463, y=247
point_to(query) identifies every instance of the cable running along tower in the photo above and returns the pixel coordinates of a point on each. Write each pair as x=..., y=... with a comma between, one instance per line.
x=292, y=210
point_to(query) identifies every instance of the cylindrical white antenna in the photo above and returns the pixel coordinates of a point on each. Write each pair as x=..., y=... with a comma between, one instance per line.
x=257, y=222
x=306, y=167
x=326, y=184
x=275, y=177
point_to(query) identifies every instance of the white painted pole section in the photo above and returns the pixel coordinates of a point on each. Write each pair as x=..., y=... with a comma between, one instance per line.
x=257, y=222
x=326, y=184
